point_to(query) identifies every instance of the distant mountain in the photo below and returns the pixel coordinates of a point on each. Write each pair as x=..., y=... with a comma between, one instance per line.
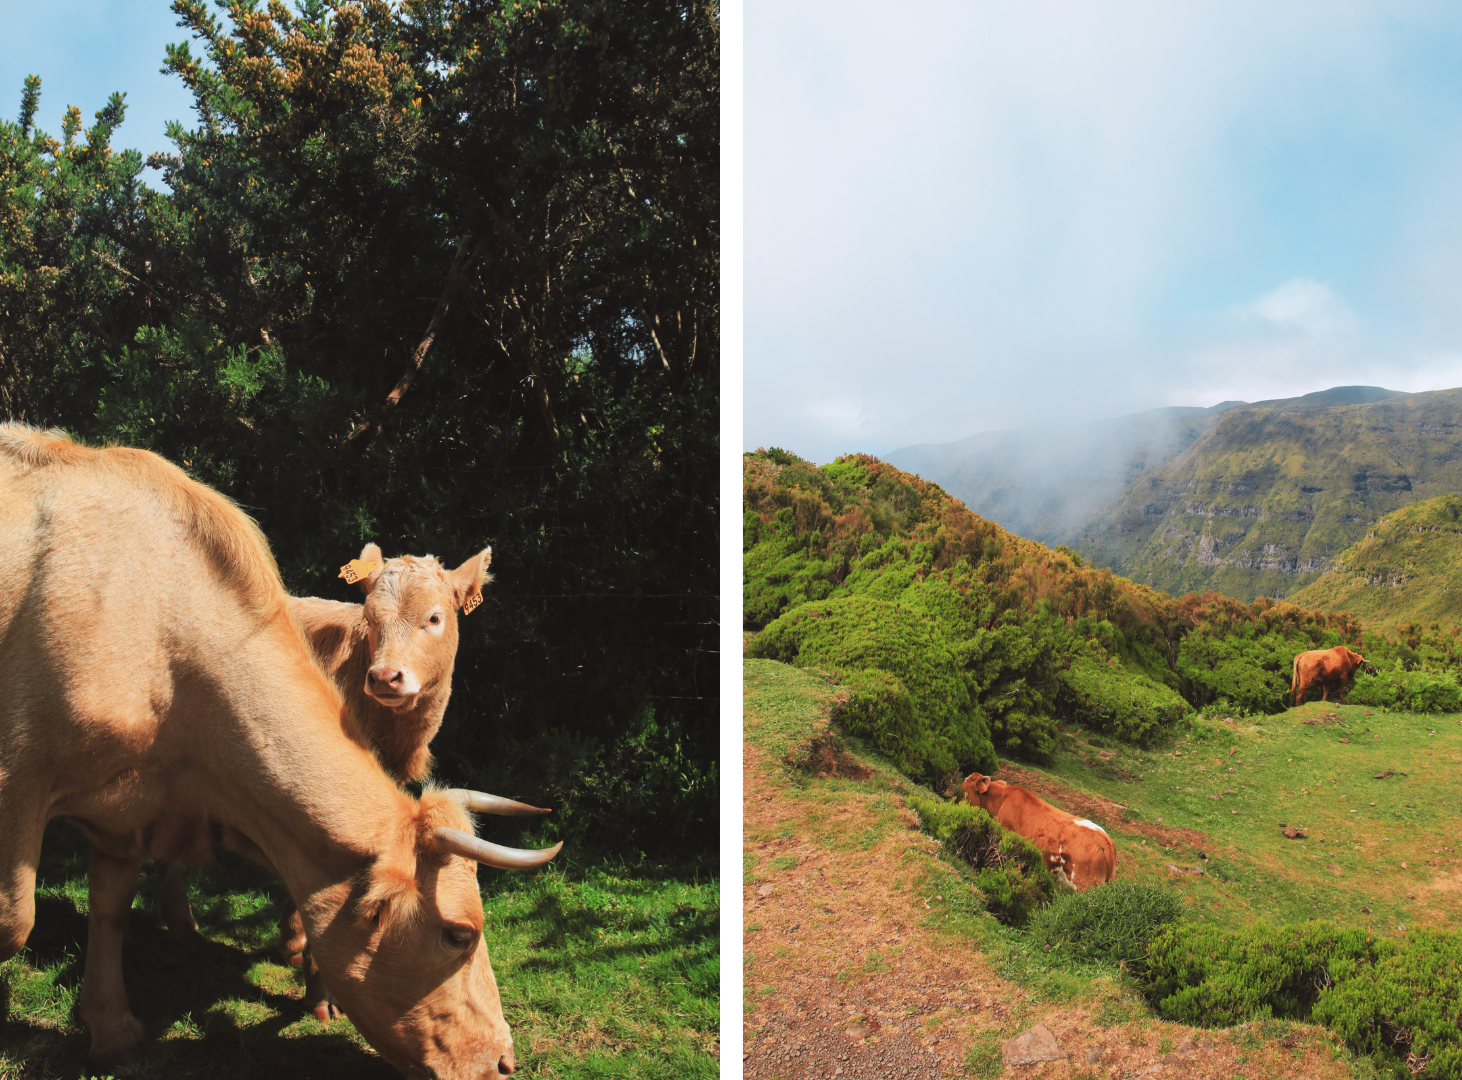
x=1407, y=569
x=1247, y=499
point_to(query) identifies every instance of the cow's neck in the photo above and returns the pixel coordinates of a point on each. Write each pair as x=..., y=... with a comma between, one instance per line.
x=317, y=835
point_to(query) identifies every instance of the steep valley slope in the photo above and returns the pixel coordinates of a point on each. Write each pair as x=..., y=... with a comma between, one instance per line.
x=1246, y=499
x=1407, y=569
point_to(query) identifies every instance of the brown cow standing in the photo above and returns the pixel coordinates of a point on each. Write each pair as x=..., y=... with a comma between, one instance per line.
x=391, y=658
x=1078, y=852
x=1326, y=667
x=160, y=697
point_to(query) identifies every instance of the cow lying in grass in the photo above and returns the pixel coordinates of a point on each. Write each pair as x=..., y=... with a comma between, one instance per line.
x=391, y=658
x=1327, y=667
x=1078, y=852
x=163, y=701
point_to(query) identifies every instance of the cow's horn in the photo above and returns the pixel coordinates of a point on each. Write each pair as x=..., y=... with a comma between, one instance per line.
x=489, y=854
x=480, y=802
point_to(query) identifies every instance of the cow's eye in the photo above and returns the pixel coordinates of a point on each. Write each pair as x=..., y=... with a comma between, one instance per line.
x=456, y=936
x=435, y=618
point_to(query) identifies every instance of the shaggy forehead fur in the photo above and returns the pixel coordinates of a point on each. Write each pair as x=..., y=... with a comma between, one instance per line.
x=398, y=573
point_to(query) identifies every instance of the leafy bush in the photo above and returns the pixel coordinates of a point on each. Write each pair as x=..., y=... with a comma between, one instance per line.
x=1122, y=702
x=912, y=700
x=1413, y=691
x=1247, y=674
x=1394, y=997
x=1114, y=922
x=1204, y=975
x=1009, y=869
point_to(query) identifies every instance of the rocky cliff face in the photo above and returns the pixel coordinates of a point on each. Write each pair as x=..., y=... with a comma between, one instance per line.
x=1248, y=499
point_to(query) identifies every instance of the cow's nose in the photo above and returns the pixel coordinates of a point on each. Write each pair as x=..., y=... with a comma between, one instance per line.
x=505, y=1064
x=388, y=676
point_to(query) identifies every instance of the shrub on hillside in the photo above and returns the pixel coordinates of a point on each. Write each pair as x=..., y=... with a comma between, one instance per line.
x=1411, y=691
x=1204, y=975
x=1252, y=673
x=1009, y=869
x=915, y=706
x=1114, y=922
x=1398, y=999
x=1112, y=698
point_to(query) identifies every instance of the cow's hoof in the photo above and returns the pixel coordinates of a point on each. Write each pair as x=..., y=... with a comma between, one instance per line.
x=120, y=1044
x=317, y=997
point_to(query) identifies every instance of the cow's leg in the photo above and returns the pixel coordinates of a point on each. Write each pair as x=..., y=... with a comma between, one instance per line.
x=116, y=1035
x=20, y=854
x=172, y=899
x=297, y=949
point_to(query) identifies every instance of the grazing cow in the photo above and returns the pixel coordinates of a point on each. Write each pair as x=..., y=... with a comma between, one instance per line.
x=391, y=658
x=161, y=699
x=1078, y=852
x=1324, y=666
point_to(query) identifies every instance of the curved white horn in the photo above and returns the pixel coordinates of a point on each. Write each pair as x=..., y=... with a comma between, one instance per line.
x=489, y=854
x=480, y=802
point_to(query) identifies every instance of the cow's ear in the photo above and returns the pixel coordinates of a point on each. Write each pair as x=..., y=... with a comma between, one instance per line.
x=469, y=579
x=371, y=553
x=983, y=785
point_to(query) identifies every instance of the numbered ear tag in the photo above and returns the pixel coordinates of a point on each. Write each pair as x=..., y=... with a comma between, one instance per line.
x=356, y=569
x=472, y=603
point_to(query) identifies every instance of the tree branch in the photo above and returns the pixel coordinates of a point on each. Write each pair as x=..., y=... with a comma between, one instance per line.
x=367, y=429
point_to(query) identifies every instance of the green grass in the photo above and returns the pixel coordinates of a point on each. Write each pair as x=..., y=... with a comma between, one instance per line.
x=606, y=970
x=1286, y=771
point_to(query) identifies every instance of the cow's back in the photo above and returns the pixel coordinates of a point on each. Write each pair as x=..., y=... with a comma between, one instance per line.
x=119, y=567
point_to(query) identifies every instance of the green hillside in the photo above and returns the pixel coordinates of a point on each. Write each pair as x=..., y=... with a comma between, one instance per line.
x=1408, y=569
x=1264, y=502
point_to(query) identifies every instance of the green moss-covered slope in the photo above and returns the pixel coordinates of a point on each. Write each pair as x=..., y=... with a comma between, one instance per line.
x=1407, y=569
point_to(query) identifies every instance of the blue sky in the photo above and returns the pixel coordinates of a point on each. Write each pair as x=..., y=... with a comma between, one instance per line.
x=976, y=215
x=85, y=49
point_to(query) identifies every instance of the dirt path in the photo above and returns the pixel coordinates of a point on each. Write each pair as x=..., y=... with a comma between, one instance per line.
x=1110, y=813
x=847, y=976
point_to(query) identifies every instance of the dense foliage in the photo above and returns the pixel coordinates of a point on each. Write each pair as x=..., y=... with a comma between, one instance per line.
x=958, y=639
x=436, y=274
x=1115, y=923
x=1398, y=998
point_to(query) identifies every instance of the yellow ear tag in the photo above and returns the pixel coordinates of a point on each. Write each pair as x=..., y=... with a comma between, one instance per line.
x=472, y=603
x=356, y=569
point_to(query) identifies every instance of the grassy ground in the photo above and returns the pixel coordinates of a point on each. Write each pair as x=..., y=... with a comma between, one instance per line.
x=605, y=971
x=863, y=947
x=1379, y=853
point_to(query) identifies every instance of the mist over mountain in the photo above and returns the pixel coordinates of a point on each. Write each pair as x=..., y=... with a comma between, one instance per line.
x=1246, y=498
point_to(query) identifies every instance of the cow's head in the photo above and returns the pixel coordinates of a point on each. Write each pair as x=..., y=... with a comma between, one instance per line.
x=977, y=787
x=411, y=616
x=1353, y=660
x=404, y=954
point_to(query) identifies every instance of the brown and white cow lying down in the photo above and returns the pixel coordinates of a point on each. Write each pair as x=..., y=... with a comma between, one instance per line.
x=391, y=658
x=160, y=698
x=1078, y=852
x=1328, y=667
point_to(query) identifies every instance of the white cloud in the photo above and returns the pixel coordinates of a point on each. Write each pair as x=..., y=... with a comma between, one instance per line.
x=1303, y=305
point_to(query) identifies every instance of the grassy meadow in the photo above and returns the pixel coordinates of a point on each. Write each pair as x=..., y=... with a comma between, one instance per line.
x=606, y=970
x=1378, y=852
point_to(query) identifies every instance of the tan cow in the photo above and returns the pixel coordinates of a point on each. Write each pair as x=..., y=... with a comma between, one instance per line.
x=1328, y=667
x=391, y=658
x=1078, y=852
x=160, y=698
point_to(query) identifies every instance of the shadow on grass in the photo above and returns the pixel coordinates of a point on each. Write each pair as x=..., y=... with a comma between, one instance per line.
x=205, y=1004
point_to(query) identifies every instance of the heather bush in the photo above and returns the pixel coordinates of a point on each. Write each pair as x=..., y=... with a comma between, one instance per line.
x=1396, y=1000
x=1107, y=696
x=1114, y=922
x=1412, y=691
x=915, y=706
